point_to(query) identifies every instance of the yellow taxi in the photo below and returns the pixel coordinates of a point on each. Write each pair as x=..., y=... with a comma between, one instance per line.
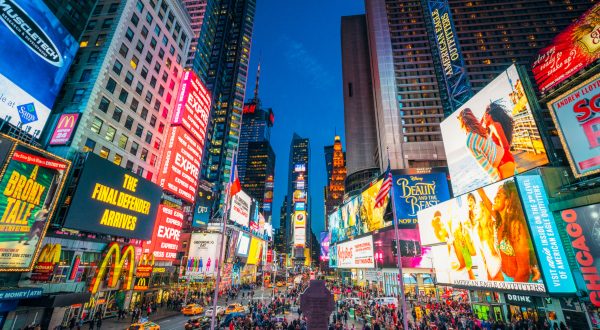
x=144, y=326
x=234, y=308
x=279, y=284
x=192, y=309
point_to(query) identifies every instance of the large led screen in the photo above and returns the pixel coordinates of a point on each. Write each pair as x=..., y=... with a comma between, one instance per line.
x=37, y=53
x=203, y=254
x=415, y=190
x=413, y=255
x=31, y=183
x=570, y=51
x=357, y=253
x=112, y=200
x=493, y=136
x=574, y=114
x=167, y=232
x=482, y=240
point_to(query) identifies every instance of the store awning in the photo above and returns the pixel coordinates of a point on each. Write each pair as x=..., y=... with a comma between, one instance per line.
x=57, y=300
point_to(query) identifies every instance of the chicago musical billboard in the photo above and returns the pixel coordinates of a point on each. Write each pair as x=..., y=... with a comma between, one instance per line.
x=38, y=51
x=574, y=114
x=117, y=202
x=493, y=135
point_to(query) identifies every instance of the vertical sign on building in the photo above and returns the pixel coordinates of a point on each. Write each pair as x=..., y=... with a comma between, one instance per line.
x=64, y=129
x=450, y=57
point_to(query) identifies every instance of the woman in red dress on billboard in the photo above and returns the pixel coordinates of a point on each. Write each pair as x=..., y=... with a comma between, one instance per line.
x=499, y=124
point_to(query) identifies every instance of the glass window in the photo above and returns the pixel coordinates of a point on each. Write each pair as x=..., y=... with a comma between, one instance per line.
x=117, y=67
x=129, y=34
x=129, y=165
x=140, y=46
x=157, y=30
x=89, y=145
x=153, y=120
x=144, y=113
x=168, y=63
x=113, y=7
x=98, y=9
x=140, y=171
x=104, y=103
x=153, y=82
x=85, y=75
x=100, y=40
x=111, y=85
x=135, y=19
x=144, y=32
x=172, y=50
x=134, y=148
x=172, y=84
x=144, y=72
x=161, y=90
x=149, y=18
x=165, y=40
x=85, y=40
x=123, y=50
x=157, y=67
x=134, y=104
x=93, y=57
x=96, y=125
x=139, y=88
x=148, y=138
x=104, y=152
x=157, y=105
x=107, y=22
x=78, y=95
x=134, y=62
x=117, y=114
x=153, y=160
x=140, y=6
x=129, y=78
x=118, y=159
x=139, y=130
x=128, y=122
x=161, y=128
x=91, y=25
x=110, y=134
x=157, y=144
x=123, y=95
x=144, y=154
x=123, y=141
x=153, y=43
x=149, y=96
x=161, y=53
x=148, y=57
x=165, y=76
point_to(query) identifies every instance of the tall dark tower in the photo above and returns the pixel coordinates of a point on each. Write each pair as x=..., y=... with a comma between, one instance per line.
x=297, y=208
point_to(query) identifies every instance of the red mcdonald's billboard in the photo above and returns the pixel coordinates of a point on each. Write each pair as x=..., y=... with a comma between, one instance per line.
x=64, y=129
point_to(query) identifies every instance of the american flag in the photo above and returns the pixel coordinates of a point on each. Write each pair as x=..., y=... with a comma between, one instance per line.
x=385, y=189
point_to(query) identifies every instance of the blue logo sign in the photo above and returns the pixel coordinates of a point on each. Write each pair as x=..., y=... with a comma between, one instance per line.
x=26, y=293
x=27, y=113
x=548, y=245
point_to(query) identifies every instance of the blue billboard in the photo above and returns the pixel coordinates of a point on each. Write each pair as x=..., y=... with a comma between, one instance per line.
x=37, y=53
x=450, y=57
x=417, y=189
x=548, y=245
x=204, y=204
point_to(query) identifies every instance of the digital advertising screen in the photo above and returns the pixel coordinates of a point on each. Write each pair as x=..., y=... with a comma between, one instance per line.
x=482, y=240
x=333, y=256
x=165, y=238
x=574, y=114
x=31, y=183
x=240, y=209
x=492, y=136
x=373, y=217
x=324, y=240
x=203, y=254
x=299, y=218
x=118, y=202
x=551, y=253
x=64, y=129
x=415, y=190
x=193, y=106
x=38, y=54
x=255, y=252
x=570, y=51
x=204, y=203
x=357, y=253
x=181, y=164
x=243, y=245
x=583, y=227
x=413, y=255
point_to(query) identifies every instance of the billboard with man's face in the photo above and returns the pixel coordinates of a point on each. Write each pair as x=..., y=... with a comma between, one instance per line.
x=493, y=136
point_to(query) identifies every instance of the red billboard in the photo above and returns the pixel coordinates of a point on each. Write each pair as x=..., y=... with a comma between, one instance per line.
x=181, y=164
x=193, y=106
x=569, y=52
x=64, y=129
x=165, y=238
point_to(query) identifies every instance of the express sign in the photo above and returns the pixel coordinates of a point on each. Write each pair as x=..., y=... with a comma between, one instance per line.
x=193, y=106
x=181, y=166
x=167, y=231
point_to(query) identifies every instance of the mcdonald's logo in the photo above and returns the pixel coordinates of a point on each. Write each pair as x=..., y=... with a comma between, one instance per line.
x=145, y=265
x=48, y=258
x=64, y=128
x=118, y=259
x=141, y=283
x=50, y=253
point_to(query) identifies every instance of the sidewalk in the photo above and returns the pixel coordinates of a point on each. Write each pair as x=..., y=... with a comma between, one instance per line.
x=113, y=323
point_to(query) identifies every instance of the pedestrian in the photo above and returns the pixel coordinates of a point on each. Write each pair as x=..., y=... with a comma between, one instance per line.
x=92, y=324
x=99, y=324
x=72, y=323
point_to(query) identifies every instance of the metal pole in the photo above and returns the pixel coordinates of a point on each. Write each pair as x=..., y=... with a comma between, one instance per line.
x=398, y=254
x=219, y=260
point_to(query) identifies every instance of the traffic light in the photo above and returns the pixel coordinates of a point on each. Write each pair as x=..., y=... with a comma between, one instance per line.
x=394, y=248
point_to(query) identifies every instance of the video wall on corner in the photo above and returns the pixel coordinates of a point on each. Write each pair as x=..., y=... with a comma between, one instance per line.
x=493, y=136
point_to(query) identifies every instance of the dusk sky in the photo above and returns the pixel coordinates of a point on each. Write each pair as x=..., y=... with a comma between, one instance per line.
x=298, y=44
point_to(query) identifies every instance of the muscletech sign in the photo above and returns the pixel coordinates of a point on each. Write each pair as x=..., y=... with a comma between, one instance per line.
x=117, y=202
x=31, y=34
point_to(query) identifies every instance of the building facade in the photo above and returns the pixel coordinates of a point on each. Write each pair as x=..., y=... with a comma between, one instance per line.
x=298, y=193
x=196, y=9
x=336, y=184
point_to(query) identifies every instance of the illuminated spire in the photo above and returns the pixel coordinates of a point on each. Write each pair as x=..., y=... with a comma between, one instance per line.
x=257, y=81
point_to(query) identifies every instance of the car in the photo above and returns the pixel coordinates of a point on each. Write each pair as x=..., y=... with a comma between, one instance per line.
x=144, y=326
x=229, y=317
x=234, y=308
x=192, y=309
x=351, y=301
x=220, y=311
x=198, y=323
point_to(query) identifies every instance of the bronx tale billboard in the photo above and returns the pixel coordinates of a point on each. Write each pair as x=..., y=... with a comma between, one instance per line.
x=31, y=182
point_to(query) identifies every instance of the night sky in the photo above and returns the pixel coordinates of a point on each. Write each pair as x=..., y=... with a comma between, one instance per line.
x=298, y=44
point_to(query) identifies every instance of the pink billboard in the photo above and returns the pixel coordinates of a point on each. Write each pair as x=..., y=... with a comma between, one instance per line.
x=413, y=254
x=64, y=129
x=193, y=106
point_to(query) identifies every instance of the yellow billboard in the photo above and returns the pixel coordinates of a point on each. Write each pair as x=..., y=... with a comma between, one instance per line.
x=255, y=251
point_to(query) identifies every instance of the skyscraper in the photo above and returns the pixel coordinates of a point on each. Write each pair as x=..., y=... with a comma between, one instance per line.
x=73, y=15
x=124, y=84
x=494, y=34
x=408, y=101
x=298, y=192
x=336, y=182
x=222, y=60
x=259, y=174
x=196, y=9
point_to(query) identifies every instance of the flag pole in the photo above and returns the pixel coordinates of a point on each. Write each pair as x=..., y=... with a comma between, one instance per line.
x=398, y=254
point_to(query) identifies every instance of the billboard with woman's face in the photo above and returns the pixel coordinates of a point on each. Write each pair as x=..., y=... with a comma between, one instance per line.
x=493, y=136
x=482, y=240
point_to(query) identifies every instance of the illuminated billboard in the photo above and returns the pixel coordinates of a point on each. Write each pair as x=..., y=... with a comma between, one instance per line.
x=570, y=51
x=583, y=226
x=64, y=129
x=415, y=190
x=193, y=107
x=413, y=255
x=574, y=114
x=242, y=245
x=324, y=240
x=299, y=219
x=240, y=209
x=204, y=204
x=31, y=182
x=357, y=253
x=181, y=164
x=165, y=238
x=482, y=240
x=111, y=200
x=255, y=252
x=203, y=254
x=492, y=136
x=38, y=51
